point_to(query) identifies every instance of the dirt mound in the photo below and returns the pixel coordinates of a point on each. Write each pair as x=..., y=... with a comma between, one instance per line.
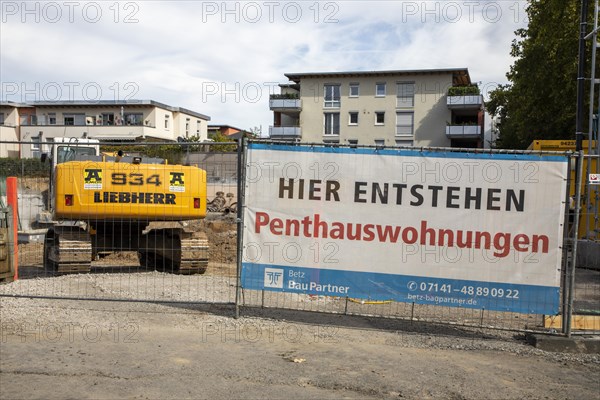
x=221, y=231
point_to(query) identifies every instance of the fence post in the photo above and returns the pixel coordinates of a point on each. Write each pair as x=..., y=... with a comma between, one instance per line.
x=240, y=221
x=565, y=273
x=11, y=200
x=574, y=235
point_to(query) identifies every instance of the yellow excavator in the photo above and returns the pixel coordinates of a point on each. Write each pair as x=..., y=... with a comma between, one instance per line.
x=101, y=204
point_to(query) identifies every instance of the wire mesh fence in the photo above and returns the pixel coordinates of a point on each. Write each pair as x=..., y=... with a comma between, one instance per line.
x=472, y=318
x=145, y=252
x=586, y=286
x=128, y=269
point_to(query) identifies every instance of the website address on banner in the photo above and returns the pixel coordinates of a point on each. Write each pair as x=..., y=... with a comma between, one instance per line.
x=427, y=298
x=502, y=243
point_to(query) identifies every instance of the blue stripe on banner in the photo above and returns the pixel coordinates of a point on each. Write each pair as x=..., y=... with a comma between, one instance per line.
x=518, y=298
x=406, y=152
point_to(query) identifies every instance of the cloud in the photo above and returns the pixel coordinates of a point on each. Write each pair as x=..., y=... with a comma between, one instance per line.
x=224, y=58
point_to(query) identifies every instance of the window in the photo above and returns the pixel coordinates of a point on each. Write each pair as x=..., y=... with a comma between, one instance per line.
x=332, y=124
x=166, y=122
x=353, y=142
x=187, y=127
x=404, y=123
x=134, y=119
x=380, y=89
x=35, y=145
x=354, y=90
x=74, y=119
x=379, y=117
x=332, y=95
x=353, y=118
x=28, y=120
x=51, y=118
x=406, y=95
x=379, y=142
x=1, y=118
x=69, y=153
x=198, y=127
x=404, y=143
x=107, y=119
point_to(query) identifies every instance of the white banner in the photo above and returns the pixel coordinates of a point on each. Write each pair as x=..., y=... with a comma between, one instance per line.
x=471, y=230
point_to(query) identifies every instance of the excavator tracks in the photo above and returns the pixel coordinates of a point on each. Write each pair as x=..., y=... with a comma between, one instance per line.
x=194, y=256
x=67, y=251
x=175, y=252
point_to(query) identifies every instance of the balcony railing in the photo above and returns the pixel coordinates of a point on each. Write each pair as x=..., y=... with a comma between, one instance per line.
x=90, y=123
x=122, y=132
x=285, y=104
x=285, y=132
x=463, y=131
x=468, y=102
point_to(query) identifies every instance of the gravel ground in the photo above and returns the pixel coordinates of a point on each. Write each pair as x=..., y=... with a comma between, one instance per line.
x=98, y=349
x=219, y=286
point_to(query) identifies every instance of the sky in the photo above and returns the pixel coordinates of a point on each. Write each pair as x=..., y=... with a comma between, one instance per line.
x=224, y=58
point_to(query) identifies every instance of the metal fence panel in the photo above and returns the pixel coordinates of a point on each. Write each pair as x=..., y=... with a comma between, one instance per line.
x=123, y=275
x=120, y=275
x=585, y=249
x=342, y=304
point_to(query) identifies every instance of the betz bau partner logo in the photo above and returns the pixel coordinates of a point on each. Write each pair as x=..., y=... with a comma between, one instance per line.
x=273, y=278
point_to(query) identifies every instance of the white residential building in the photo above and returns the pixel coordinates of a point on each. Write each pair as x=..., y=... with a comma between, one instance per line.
x=126, y=120
x=433, y=108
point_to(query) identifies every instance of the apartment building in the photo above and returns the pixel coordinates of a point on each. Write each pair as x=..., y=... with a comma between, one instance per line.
x=9, y=132
x=126, y=120
x=429, y=108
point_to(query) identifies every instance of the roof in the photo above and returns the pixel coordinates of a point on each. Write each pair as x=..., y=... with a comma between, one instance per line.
x=13, y=104
x=219, y=126
x=460, y=76
x=96, y=103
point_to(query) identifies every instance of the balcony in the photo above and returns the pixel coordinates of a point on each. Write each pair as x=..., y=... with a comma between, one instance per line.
x=464, y=97
x=285, y=132
x=284, y=105
x=463, y=131
x=469, y=102
x=102, y=132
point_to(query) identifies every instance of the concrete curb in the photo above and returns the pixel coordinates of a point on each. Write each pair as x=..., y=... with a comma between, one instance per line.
x=588, y=344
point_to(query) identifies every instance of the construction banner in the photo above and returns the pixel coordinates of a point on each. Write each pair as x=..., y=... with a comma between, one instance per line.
x=454, y=229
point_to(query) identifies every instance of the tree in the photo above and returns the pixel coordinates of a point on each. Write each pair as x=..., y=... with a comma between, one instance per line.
x=255, y=133
x=540, y=100
x=229, y=145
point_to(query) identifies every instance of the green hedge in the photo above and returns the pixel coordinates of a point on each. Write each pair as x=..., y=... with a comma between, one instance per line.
x=472, y=90
x=284, y=96
x=32, y=167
